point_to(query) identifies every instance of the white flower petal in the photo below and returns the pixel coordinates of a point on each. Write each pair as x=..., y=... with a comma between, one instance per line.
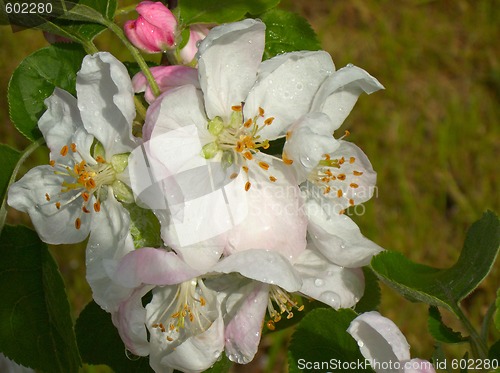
x=54, y=226
x=196, y=354
x=338, y=238
x=130, y=321
x=229, y=58
x=176, y=108
x=109, y=242
x=59, y=122
x=106, y=102
x=379, y=339
x=244, y=327
x=308, y=140
x=341, y=90
x=152, y=266
x=285, y=88
x=261, y=265
x=275, y=219
x=336, y=286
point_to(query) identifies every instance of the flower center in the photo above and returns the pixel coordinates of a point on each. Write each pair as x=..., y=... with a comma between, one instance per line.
x=188, y=311
x=335, y=177
x=285, y=303
x=86, y=179
x=238, y=141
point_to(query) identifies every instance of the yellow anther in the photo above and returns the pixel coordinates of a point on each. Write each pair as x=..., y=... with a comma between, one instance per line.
x=341, y=160
x=351, y=202
x=100, y=159
x=64, y=150
x=340, y=193
x=248, y=155
x=327, y=190
x=73, y=147
x=97, y=206
x=234, y=175
x=341, y=176
x=85, y=210
x=52, y=163
x=268, y=121
x=353, y=185
x=352, y=160
x=58, y=205
x=85, y=196
x=357, y=173
x=245, y=168
x=47, y=197
x=236, y=108
x=170, y=339
x=270, y=325
x=248, y=123
x=272, y=178
x=264, y=165
x=289, y=135
x=78, y=223
x=261, y=112
x=247, y=186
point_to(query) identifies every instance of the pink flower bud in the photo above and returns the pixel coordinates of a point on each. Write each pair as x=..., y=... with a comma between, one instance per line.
x=196, y=34
x=167, y=77
x=155, y=28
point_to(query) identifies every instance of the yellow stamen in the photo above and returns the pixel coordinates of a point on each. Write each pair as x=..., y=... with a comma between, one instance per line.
x=64, y=150
x=264, y=165
x=268, y=121
x=247, y=186
x=78, y=223
x=236, y=108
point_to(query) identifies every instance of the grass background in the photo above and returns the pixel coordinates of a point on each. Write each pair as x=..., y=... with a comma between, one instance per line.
x=433, y=137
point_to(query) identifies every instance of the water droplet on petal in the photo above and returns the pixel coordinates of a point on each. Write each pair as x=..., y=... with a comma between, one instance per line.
x=319, y=282
x=330, y=298
x=349, y=65
x=360, y=343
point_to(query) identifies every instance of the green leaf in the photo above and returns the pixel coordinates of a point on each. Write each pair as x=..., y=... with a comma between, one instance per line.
x=321, y=337
x=221, y=11
x=100, y=343
x=439, y=359
x=497, y=312
x=35, y=79
x=35, y=323
x=221, y=366
x=440, y=331
x=84, y=21
x=9, y=157
x=144, y=227
x=494, y=351
x=287, y=32
x=444, y=287
x=371, y=298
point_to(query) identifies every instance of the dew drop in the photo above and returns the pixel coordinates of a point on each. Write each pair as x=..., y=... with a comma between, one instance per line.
x=319, y=282
x=131, y=356
x=349, y=65
x=299, y=86
x=330, y=298
x=360, y=343
x=198, y=43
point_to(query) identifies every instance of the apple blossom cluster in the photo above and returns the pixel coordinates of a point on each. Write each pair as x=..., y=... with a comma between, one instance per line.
x=246, y=234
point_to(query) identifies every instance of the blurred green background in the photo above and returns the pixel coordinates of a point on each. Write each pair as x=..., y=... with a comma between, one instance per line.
x=433, y=137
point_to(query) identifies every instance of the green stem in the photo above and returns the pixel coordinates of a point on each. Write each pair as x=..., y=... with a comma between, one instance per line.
x=139, y=107
x=137, y=56
x=27, y=152
x=90, y=47
x=487, y=321
x=125, y=10
x=478, y=345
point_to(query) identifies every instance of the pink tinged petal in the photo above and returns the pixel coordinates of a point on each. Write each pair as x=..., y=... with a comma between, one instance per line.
x=261, y=265
x=244, y=327
x=308, y=140
x=203, y=256
x=54, y=226
x=275, y=220
x=167, y=77
x=130, y=320
x=106, y=102
x=418, y=366
x=379, y=339
x=338, y=238
x=59, y=122
x=196, y=354
x=196, y=34
x=286, y=87
x=341, y=90
x=160, y=20
x=333, y=285
x=130, y=29
x=152, y=266
x=229, y=58
x=109, y=242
